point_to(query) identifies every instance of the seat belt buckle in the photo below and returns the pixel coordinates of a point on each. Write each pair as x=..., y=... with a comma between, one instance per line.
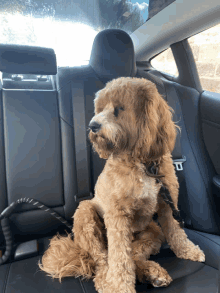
x=179, y=163
x=83, y=197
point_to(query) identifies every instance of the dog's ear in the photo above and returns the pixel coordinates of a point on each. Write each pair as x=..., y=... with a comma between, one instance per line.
x=96, y=110
x=166, y=130
x=157, y=131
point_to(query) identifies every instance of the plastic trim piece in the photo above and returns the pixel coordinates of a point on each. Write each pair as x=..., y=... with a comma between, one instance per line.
x=26, y=250
x=178, y=21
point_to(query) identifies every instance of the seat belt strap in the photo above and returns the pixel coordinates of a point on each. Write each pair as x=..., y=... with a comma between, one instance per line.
x=81, y=146
x=178, y=159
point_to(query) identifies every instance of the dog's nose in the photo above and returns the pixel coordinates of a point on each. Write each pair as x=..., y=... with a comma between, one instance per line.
x=94, y=126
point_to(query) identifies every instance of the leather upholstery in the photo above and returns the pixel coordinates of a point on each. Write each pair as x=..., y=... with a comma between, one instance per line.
x=27, y=59
x=37, y=160
x=188, y=276
x=31, y=158
x=112, y=55
x=210, y=119
x=198, y=202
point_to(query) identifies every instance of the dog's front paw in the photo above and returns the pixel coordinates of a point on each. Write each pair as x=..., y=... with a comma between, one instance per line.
x=156, y=275
x=193, y=253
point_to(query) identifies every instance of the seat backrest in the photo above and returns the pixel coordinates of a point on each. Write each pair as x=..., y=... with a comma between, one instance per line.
x=112, y=56
x=33, y=145
x=37, y=146
x=196, y=203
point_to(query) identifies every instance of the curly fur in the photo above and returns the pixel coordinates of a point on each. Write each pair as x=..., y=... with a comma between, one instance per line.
x=114, y=232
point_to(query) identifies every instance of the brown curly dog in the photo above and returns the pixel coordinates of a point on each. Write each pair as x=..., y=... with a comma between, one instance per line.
x=114, y=232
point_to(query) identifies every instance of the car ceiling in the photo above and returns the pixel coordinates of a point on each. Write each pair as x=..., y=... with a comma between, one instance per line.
x=173, y=24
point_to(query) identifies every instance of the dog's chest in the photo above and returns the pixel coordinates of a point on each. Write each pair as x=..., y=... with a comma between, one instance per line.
x=149, y=188
x=147, y=201
x=127, y=189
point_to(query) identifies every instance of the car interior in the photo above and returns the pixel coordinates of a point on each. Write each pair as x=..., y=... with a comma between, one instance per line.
x=45, y=153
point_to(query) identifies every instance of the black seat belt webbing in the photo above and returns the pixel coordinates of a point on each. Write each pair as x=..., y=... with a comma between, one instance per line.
x=178, y=159
x=81, y=147
x=177, y=153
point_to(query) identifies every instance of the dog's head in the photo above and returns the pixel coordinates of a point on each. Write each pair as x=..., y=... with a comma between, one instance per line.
x=132, y=118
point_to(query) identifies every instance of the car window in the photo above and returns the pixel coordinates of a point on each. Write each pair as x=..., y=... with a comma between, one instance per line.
x=69, y=27
x=165, y=62
x=206, y=50
x=156, y=6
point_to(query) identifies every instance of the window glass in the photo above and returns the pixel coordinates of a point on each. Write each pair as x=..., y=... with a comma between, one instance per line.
x=67, y=26
x=165, y=62
x=206, y=50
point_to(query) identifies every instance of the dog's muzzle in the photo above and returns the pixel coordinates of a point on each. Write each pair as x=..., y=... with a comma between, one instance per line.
x=94, y=126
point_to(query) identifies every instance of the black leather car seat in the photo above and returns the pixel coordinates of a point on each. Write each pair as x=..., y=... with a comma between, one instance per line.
x=187, y=275
x=38, y=148
x=112, y=56
x=35, y=162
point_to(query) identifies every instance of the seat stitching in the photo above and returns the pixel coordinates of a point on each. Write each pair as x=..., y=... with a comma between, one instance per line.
x=62, y=156
x=211, y=123
x=6, y=279
x=65, y=121
x=97, y=75
x=82, y=286
x=197, y=232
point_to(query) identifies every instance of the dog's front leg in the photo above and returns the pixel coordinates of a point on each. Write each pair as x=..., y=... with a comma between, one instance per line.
x=121, y=273
x=176, y=236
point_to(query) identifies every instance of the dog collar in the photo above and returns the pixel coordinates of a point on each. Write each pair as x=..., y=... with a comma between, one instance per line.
x=152, y=170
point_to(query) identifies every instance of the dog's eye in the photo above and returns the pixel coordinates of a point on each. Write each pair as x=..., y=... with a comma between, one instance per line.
x=117, y=109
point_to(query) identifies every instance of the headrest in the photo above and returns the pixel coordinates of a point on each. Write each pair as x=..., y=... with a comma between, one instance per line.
x=112, y=55
x=27, y=60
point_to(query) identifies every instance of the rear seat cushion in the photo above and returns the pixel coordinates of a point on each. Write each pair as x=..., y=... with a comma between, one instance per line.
x=188, y=277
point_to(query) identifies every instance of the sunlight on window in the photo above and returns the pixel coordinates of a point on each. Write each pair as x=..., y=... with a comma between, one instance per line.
x=165, y=62
x=206, y=50
x=72, y=41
